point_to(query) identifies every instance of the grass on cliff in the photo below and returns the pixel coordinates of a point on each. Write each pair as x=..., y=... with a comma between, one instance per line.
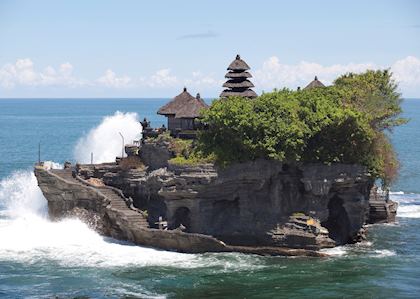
x=184, y=151
x=341, y=123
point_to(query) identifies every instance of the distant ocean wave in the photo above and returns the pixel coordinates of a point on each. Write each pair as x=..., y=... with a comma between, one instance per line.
x=409, y=204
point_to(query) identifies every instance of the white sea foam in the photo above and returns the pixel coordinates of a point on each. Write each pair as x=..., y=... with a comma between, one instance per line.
x=336, y=251
x=380, y=253
x=409, y=211
x=409, y=205
x=27, y=236
x=20, y=196
x=396, y=192
x=104, y=141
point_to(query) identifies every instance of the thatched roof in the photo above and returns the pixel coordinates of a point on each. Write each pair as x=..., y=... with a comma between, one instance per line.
x=315, y=83
x=238, y=65
x=238, y=84
x=238, y=75
x=184, y=105
x=248, y=93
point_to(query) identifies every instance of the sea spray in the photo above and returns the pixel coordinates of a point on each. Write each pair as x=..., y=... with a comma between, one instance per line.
x=408, y=204
x=28, y=237
x=104, y=141
x=21, y=197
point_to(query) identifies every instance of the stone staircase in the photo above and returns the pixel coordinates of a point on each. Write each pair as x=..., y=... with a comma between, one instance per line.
x=378, y=211
x=118, y=202
x=381, y=208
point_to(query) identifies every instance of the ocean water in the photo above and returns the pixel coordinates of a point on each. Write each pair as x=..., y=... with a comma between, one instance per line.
x=42, y=259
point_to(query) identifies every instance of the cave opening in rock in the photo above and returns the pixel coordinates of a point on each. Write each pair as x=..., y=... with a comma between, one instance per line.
x=338, y=223
x=225, y=218
x=182, y=217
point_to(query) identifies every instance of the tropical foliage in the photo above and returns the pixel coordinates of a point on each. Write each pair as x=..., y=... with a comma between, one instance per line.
x=342, y=123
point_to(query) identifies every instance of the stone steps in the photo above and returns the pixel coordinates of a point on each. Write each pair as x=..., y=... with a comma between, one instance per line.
x=118, y=203
x=378, y=211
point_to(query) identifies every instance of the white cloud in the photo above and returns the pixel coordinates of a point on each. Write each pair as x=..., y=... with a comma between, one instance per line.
x=162, y=78
x=23, y=73
x=407, y=71
x=272, y=74
x=110, y=79
x=201, y=81
x=275, y=74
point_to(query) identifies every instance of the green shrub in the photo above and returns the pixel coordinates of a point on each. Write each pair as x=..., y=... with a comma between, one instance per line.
x=342, y=123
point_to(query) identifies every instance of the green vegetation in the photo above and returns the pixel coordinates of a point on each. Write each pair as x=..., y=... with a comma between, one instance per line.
x=185, y=151
x=342, y=123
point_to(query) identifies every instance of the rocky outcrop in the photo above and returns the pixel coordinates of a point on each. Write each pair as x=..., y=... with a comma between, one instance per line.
x=155, y=153
x=256, y=203
x=106, y=210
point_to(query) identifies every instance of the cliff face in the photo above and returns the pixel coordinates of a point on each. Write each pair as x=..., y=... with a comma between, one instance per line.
x=112, y=214
x=255, y=204
x=260, y=203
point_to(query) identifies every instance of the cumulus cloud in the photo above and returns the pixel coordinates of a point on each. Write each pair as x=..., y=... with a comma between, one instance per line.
x=110, y=79
x=23, y=73
x=273, y=73
x=199, y=80
x=407, y=71
x=162, y=78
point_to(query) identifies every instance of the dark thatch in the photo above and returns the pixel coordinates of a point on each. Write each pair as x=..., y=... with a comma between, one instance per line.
x=238, y=84
x=238, y=65
x=184, y=105
x=248, y=93
x=238, y=75
x=314, y=84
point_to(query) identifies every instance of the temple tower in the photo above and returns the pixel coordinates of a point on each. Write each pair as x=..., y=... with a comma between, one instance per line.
x=238, y=83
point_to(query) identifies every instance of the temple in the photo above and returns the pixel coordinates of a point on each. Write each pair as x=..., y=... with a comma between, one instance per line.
x=183, y=111
x=314, y=84
x=238, y=83
x=182, y=114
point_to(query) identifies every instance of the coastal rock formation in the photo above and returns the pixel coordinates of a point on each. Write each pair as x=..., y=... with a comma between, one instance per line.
x=107, y=210
x=254, y=203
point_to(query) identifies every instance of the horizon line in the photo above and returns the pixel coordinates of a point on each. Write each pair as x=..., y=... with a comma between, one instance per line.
x=126, y=98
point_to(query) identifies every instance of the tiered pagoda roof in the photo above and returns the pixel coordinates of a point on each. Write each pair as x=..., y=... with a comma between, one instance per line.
x=184, y=105
x=314, y=84
x=238, y=83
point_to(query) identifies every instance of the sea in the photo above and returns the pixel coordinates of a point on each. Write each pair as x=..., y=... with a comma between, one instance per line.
x=66, y=259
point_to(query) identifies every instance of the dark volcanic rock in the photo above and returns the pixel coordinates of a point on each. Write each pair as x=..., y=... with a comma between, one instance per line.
x=102, y=209
x=251, y=203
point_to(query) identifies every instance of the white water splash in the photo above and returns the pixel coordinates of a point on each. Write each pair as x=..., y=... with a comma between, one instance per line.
x=104, y=141
x=409, y=204
x=20, y=196
x=381, y=253
x=335, y=251
x=27, y=236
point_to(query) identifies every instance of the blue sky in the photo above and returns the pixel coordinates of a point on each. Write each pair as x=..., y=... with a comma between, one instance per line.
x=153, y=48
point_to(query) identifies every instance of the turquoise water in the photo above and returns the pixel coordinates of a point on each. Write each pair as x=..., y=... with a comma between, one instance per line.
x=41, y=259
